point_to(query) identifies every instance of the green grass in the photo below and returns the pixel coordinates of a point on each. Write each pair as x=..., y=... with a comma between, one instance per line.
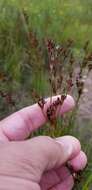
x=49, y=18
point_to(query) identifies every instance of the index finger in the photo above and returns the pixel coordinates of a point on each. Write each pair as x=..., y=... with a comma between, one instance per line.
x=20, y=124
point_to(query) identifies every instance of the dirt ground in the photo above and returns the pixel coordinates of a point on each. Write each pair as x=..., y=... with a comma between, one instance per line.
x=84, y=115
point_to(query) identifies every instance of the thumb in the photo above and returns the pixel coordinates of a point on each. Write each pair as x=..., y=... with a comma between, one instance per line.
x=46, y=153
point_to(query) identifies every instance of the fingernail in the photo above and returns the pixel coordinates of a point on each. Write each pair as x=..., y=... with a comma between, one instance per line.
x=71, y=145
x=68, y=105
x=67, y=147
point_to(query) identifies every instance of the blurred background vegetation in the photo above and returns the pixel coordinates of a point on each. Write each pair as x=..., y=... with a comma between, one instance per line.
x=24, y=27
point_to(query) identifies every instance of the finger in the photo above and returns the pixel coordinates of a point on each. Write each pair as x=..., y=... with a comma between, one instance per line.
x=65, y=185
x=19, y=125
x=54, y=178
x=47, y=154
x=79, y=162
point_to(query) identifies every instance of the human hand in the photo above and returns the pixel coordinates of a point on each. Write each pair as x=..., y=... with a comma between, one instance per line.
x=38, y=163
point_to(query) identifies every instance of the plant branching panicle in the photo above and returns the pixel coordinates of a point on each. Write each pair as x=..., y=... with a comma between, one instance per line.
x=62, y=64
